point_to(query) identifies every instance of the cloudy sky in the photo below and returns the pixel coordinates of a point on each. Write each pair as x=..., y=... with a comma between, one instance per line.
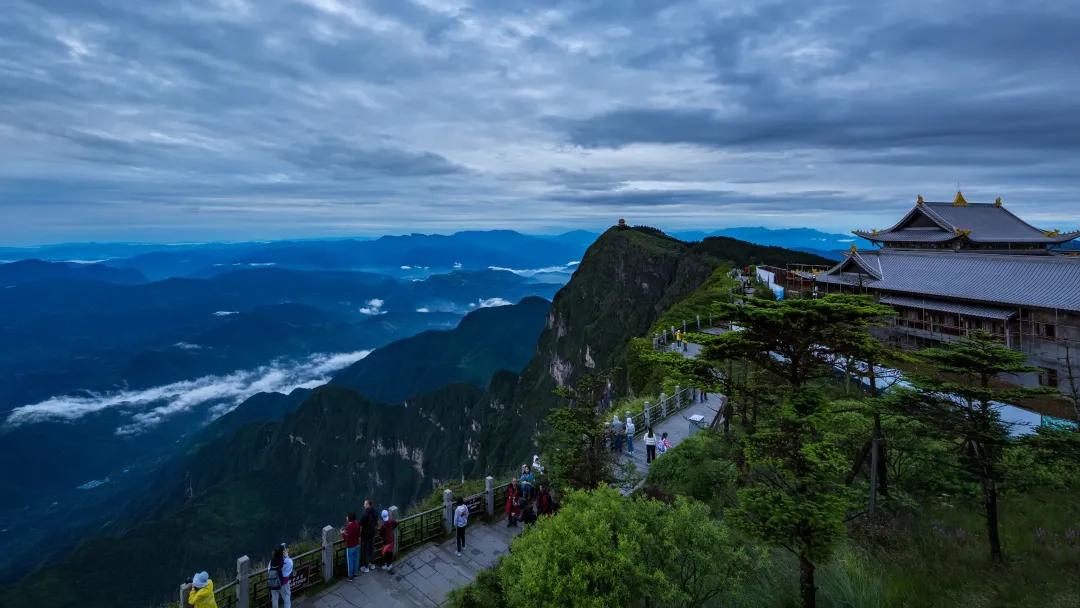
x=239, y=119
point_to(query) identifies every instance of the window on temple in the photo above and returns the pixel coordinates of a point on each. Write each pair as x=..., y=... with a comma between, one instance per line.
x=1048, y=376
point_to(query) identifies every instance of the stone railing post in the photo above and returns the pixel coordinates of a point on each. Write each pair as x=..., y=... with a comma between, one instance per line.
x=489, y=495
x=699, y=322
x=185, y=589
x=243, y=582
x=684, y=327
x=397, y=536
x=663, y=405
x=648, y=415
x=678, y=397
x=327, y=553
x=448, y=510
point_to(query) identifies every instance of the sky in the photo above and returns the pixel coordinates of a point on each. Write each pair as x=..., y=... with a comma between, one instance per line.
x=254, y=119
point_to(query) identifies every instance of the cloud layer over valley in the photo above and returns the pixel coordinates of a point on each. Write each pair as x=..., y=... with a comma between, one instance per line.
x=143, y=409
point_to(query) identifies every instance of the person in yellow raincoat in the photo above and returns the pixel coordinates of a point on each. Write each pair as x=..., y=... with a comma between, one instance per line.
x=202, y=591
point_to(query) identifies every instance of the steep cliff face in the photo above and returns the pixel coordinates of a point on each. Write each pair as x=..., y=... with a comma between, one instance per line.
x=626, y=279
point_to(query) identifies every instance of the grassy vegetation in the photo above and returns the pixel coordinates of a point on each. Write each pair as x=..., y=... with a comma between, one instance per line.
x=717, y=288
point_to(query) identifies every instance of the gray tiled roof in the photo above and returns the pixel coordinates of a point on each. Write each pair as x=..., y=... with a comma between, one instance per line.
x=987, y=223
x=1042, y=281
x=961, y=308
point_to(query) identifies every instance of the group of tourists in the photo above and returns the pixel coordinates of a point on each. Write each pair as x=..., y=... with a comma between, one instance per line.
x=619, y=432
x=359, y=536
x=528, y=499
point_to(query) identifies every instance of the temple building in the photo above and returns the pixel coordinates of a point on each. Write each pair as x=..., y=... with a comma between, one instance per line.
x=949, y=268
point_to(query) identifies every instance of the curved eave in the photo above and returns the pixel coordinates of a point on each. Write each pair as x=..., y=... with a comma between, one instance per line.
x=888, y=237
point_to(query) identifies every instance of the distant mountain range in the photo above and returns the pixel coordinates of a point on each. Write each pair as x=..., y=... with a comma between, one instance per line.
x=391, y=426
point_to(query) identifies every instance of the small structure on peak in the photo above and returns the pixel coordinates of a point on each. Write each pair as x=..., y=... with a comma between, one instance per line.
x=959, y=200
x=622, y=223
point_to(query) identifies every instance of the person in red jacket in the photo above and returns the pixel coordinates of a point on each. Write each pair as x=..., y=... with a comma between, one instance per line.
x=387, y=529
x=513, y=494
x=351, y=534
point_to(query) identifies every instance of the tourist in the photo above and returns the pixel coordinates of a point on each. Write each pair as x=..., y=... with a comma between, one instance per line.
x=368, y=521
x=513, y=493
x=543, y=501
x=630, y=430
x=537, y=469
x=279, y=575
x=461, y=520
x=650, y=446
x=202, y=591
x=664, y=444
x=351, y=534
x=526, y=479
x=678, y=338
x=528, y=515
x=387, y=529
x=617, y=430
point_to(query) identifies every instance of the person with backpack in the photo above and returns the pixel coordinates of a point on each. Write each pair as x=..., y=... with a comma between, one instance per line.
x=388, y=526
x=279, y=575
x=526, y=480
x=617, y=431
x=202, y=592
x=461, y=521
x=351, y=535
x=368, y=521
x=513, y=493
x=630, y=430
x=664, y=444
x=650, y=446
x=528, y=516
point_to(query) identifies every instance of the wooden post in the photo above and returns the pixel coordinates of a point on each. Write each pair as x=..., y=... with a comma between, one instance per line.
x=327, y=553
x=397, y=535
x=873, y=475
x=448, y=510
x=489, y=495
x=678, y=397
x=648, y=415
x=243, y=582
x=663, y=405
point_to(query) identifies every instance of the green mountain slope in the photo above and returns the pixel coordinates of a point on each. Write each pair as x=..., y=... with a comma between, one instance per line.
x=486, y=341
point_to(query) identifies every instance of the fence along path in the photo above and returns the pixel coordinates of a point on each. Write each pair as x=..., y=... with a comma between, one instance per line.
x=423, y=577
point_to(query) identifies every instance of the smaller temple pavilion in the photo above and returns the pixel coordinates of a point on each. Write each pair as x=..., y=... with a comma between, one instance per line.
x=949, y=268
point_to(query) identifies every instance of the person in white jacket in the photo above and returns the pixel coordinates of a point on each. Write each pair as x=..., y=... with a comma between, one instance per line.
x=650, y=446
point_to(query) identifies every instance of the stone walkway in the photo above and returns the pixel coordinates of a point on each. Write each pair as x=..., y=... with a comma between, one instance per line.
x=677, y=426
x=423, y=577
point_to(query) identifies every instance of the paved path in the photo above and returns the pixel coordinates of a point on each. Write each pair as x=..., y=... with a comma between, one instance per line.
x=677, y=426
x=423, y=577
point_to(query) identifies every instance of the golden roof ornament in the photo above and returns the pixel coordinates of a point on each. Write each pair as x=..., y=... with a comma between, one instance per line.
x=854, y=248
x=998, y=202
x=919, y=200
x=963, y=231
x=959, y=201
x=1054, y=232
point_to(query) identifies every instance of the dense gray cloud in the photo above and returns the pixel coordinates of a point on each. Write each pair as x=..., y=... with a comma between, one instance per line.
x=233, y=119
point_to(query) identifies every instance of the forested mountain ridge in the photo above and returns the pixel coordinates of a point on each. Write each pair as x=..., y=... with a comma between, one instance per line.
x=258, y=481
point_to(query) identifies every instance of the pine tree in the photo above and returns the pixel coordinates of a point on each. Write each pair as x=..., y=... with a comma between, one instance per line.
x=958, y=398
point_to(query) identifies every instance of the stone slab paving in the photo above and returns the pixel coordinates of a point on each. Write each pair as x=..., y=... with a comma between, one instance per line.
x=422, y=578
x=678, y=428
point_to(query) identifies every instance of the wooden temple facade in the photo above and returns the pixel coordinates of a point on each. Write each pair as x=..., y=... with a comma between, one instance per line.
x=949, y=268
